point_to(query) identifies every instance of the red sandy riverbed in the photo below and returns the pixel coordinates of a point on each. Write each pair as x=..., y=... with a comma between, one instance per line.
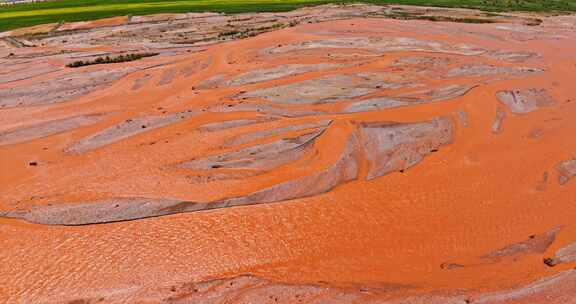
x=468, y=216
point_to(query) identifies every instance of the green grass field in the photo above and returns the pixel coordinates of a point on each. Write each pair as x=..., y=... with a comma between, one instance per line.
x=23, y=15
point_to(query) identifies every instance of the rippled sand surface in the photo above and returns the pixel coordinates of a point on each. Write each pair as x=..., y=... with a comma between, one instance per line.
x=360, y=160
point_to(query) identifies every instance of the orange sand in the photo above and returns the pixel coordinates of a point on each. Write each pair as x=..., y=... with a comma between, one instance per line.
x=476, y=195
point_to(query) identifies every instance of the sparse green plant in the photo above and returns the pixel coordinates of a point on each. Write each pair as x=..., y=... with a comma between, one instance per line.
x=228, y=33
x=108, y=59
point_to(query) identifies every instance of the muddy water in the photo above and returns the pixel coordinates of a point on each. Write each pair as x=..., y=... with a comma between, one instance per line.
x=477, y=195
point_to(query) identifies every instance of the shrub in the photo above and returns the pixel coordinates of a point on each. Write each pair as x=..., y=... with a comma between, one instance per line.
x=108, y=59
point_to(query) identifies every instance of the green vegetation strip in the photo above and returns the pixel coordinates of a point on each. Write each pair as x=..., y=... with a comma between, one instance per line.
x=108, y=59
x=23, y=15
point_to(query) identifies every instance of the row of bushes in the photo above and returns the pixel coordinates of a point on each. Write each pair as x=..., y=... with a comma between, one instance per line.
x=108, y=59
x=251, y=32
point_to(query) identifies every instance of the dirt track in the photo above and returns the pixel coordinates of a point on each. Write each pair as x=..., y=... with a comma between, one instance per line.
x=362, y=160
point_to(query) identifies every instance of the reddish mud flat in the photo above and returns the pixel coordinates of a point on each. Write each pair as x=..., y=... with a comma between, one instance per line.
x=346, y=160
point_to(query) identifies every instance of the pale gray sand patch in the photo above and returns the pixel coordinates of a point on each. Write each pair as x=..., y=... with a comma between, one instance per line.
x=497, y=124
x=327, y=89
x=409, y=99
x=264, y=156
x=566, y=254
x=512, y=56
x=167, y=76
x=377, y=104
x=525, y=100
x=566, y=171
x=463, y=118
x=140, y=82
x=228, y=124
x=60, y=89
x=381, y=45
x=127, y=129
x=44, y=129
x=319, y=90
x=241, y=139
x=486, y=69
x=533, y=244
x=28, y=72
x=211, y=82
x=393, y=147
x=278, y=72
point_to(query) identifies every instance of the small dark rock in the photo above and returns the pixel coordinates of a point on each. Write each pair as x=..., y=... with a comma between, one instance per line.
x=550, y=262
x=448, y=266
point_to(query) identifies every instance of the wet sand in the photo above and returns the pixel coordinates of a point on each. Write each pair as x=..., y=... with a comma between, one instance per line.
x=329, y=180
